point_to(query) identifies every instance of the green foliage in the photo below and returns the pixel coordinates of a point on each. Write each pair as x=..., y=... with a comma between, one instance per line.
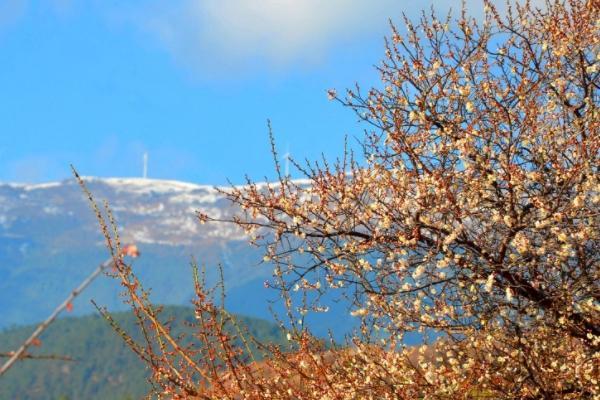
x=104, y=368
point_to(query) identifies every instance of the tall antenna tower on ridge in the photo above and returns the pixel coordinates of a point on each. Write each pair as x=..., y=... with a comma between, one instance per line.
x=145, y=173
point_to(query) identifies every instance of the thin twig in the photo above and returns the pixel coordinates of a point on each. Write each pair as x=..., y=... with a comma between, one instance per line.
x=39, y=357
x=20, y=353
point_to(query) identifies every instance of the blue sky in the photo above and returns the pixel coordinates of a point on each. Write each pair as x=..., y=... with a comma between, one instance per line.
x=192, y=82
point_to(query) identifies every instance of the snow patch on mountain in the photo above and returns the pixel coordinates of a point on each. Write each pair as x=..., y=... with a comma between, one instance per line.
x=208, y=196
x=32, y=186
x=146, y=186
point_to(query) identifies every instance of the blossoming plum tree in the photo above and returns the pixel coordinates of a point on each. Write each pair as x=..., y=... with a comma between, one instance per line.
x=473, y=221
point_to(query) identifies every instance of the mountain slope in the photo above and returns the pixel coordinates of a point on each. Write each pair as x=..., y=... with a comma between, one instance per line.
x=50, y=241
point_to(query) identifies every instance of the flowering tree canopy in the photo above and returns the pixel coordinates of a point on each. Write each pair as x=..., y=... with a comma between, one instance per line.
x=476, y=217
x=473, y=221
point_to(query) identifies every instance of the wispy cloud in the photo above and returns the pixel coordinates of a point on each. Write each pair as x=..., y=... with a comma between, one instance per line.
x=34, y=168
x=62, y=8
x=11, y=11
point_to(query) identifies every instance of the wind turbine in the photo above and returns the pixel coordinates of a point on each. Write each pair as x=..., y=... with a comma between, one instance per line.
x=286, y=157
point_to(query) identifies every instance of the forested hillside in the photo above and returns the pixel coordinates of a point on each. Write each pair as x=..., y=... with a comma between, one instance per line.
x=104, y=368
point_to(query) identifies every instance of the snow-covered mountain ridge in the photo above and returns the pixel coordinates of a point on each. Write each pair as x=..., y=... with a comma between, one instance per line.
x=147, y=210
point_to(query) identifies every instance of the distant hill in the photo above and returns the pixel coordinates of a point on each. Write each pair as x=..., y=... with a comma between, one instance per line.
x=50, y=241
x=105, y=367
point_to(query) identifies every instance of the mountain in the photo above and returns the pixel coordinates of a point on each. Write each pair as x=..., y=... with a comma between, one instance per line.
x=50, y=241
x=104, y=368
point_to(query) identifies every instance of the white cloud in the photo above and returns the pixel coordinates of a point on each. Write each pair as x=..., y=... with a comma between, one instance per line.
x=216, y=32
x=232, y=34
